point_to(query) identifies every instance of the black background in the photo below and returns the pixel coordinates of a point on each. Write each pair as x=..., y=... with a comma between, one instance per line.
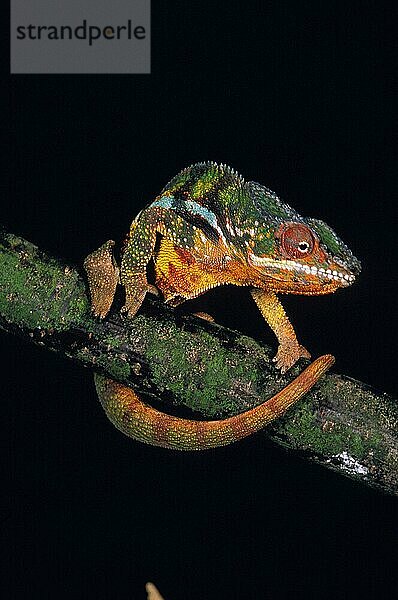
x=298, y=97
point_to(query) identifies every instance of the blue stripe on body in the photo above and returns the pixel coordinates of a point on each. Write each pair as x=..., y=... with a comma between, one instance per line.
x=164, y=202
x=193, y=207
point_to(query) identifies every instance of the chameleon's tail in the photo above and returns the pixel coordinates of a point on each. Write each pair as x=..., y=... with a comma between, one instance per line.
x=146, y=424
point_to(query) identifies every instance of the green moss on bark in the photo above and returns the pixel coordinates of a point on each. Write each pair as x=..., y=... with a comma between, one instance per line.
x=304, y=430
x=38, y=294
x=199, y=371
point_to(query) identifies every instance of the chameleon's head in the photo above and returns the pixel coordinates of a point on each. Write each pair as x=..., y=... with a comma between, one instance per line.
x=303, y=256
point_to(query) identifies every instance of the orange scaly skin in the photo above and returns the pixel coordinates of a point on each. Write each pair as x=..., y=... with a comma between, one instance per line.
x=209, y=227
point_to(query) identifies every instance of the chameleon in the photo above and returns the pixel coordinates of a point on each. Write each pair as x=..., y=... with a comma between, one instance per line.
x=209, y=227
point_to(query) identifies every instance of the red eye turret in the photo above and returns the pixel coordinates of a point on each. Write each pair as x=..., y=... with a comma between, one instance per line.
x=297, y=240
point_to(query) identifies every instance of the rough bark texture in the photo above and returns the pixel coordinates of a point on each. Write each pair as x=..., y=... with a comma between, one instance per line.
x=181, y=362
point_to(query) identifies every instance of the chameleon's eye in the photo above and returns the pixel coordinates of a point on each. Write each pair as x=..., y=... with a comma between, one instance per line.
x=297, y=240
x=303, y=247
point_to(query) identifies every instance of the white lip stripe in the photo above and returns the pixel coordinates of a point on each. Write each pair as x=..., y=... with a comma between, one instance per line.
x=292, y=265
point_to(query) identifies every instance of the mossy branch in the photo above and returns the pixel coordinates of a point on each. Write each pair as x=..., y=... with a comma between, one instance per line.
x=185, y=362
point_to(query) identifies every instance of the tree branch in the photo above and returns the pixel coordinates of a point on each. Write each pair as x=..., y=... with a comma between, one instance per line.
x=181, y=361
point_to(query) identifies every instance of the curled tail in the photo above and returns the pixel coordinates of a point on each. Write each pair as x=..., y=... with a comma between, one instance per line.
x=142, y=422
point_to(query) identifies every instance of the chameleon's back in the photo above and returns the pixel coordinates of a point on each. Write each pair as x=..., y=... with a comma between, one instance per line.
x=202, y=181
x=211, y=194
x=218, y=189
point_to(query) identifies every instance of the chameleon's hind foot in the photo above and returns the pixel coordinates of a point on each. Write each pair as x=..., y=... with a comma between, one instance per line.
x=204, y=316
x=103, y=276
x=152, y=289
x=288, y=354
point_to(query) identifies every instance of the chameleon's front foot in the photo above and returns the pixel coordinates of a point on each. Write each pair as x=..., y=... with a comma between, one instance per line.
x=135, y=294
x=289, y=350
x=288, y=354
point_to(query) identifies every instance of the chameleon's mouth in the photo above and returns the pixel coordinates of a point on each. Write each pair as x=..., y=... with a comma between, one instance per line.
x=344, y=278
x=335, y=274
